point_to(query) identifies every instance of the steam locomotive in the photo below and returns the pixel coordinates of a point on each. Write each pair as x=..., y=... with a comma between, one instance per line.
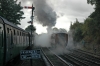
x=12, y=40
x=59, y=39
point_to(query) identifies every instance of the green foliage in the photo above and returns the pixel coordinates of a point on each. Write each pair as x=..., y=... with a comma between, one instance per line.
x=77, y=31
x=78, y=34
x=88, y=30
x=96, y=22
x=29, y=28
x=88, y=26
x=10, y=10
x=75, y=25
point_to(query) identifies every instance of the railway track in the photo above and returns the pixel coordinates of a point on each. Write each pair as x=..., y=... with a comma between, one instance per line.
x=88, y=54
x=22, y=63
x=53, y=59
x=94, y=54
x=70, y=59
x=87, y=59
x=78, y=58
x=73, y=60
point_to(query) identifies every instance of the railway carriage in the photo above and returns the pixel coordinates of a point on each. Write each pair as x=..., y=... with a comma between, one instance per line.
x=12, y=40
x=1, y=42
x=59, y=39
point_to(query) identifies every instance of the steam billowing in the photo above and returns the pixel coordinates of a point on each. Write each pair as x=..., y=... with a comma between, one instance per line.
x=70, y=40
x=43, y=40
x=44, y=13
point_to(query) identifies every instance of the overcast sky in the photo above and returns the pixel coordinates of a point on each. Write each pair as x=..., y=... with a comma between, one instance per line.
x=58, y=13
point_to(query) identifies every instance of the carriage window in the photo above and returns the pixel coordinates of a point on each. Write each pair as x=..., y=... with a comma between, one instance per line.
x=23, y=34
x=7, y=30
x=20, y=33
x=17, y=33
x=14, y=32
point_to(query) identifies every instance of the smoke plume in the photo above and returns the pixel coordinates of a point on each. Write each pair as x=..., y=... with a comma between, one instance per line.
x=44, y=13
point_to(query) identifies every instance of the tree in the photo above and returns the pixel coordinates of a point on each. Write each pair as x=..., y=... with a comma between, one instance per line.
x=10, y=10
x=75, y=24
x=78, y=34
x=77, y=31
x=29, y=28
x=96, y=18
x=88, y=30
x=91, y=1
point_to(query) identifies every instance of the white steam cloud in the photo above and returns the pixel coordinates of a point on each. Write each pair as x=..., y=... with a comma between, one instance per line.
x=44, y=13
x=44, y=39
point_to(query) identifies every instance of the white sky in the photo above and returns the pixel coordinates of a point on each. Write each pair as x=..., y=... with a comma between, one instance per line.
x=67, y=11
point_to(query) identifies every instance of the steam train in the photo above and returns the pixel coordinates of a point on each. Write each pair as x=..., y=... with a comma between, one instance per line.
x=59, y=39
x=12, y=40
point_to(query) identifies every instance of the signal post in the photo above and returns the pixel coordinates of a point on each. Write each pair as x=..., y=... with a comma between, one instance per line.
x=28, y=7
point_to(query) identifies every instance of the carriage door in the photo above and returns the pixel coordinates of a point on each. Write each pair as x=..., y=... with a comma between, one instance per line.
x=9, y=44
x=12, y=44
x=1, y=44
